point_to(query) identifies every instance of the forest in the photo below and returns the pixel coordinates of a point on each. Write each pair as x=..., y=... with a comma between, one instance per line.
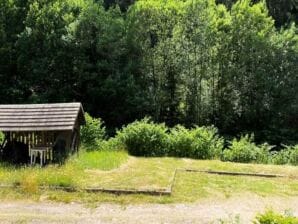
x=231, y=64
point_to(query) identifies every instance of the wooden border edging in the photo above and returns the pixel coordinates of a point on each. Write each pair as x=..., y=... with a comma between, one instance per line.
x=98, y=189
x=67, y=189
x=130, y=191
x=173, y=180
x=235, y=173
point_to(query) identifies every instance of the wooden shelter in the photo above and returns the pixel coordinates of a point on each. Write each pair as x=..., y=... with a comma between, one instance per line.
x=41, y=127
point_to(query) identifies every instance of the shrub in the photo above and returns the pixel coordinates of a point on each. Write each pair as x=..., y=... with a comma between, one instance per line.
x=144, y=138
x=207, y=144
x=271, y=217
x=245, y=150
x=263, y=156
x=180, y=141
x=294, y=155
x=93, y=132
x=1, y=137
x=198, y=143
x=289, y=155
x=113, y=144
x=280, y=158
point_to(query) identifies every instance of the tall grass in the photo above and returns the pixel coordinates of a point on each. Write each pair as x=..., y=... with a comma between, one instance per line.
x=103, y=160
x=71, y=174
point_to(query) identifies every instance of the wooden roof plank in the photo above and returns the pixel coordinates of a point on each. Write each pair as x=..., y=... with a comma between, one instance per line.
x=36, y=120
x=36, y=124
x=39, y=110
x=15, y=117
x=51, y=105
x=57, y=128
x=30, y=117
x=39, y=113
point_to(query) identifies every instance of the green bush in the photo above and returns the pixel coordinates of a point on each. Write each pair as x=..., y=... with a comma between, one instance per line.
x=144, y=138
x=271, y=217
x=113, y=144
x=280, y=158
x=289, y=155
x=180, y=141
x=245, y=150
x=198, y=143
x=264, y=153
x=294, y=155
x=93, y=132
x=1, y=137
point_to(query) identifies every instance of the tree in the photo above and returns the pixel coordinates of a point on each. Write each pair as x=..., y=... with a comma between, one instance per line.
x=251, y=27
x=197, y=41
x=12, y=87
x=106, y=78
x=152, y=24
x=193, y=62
x=283, y=12
x=45, y=51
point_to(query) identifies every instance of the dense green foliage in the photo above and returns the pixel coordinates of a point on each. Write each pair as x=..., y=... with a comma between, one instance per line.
x=144, y=138
x=245, y=150
x=271, y=217
x=283, y=12
x=197, y=143
x=289, y=155
x=93, y=133
x=192, y=62
x=1, y=137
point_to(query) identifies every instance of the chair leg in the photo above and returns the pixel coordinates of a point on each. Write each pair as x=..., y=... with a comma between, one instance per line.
x=41, y=158
x=34, y=158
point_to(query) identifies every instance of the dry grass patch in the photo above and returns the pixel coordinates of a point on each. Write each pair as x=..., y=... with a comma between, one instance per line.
x=147, y=173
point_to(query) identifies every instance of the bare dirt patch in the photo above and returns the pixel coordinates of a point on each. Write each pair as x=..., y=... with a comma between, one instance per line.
x=207, y=211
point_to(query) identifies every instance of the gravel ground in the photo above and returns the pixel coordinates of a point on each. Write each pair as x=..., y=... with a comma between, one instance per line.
x=208, y=211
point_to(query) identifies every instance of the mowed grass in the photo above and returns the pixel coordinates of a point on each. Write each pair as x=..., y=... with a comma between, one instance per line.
x=118, y=170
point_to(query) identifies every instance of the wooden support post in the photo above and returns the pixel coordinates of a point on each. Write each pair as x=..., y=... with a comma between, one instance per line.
x=73, y=141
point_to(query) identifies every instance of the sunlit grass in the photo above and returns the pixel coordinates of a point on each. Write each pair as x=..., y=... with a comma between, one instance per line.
x=71, y=174
x=102, y=160
x=190, y=187
x=115, y=169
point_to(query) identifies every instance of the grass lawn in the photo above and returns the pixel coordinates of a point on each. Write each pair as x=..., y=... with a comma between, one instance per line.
x=118, y=170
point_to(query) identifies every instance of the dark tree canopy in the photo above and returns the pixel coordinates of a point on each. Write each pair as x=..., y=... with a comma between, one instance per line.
x=283, y=11
x=193, y=62
x=124, y=4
